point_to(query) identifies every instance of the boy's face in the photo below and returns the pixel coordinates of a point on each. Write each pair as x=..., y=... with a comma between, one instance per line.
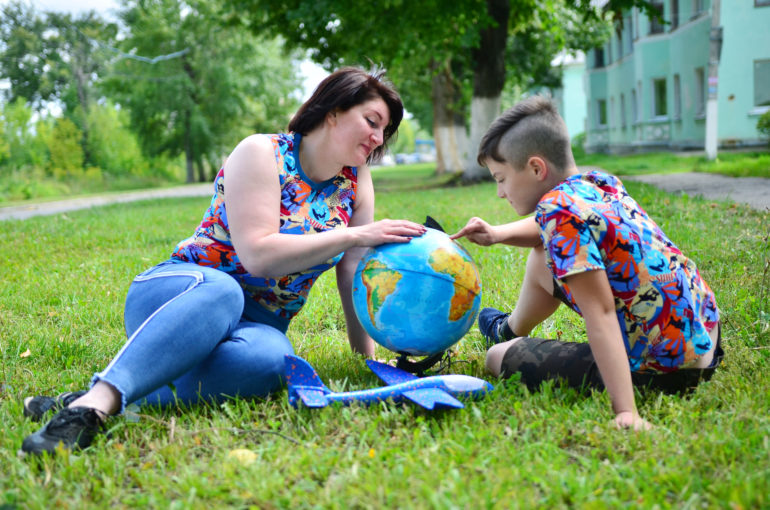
x=521, y=187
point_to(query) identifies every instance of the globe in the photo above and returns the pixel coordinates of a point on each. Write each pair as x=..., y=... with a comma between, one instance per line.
x=417, y=298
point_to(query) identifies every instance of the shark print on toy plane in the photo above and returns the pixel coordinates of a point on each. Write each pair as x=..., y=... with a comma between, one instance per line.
x=428, y=392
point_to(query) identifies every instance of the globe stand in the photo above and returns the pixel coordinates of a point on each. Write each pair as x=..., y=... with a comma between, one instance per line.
x=419, y=367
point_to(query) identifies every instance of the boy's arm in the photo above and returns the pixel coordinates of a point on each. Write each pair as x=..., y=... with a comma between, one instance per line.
x=525, y=233
x=593, y=295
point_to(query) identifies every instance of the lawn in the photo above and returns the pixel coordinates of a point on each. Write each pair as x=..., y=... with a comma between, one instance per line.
x=64, y=279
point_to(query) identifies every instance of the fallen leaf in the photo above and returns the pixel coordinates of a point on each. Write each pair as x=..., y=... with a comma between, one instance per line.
x=25, y=354
x=243, y=456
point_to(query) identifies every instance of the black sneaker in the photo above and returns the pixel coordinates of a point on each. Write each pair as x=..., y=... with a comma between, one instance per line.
x=73, y=428
x=490, y=321
x=36, y=407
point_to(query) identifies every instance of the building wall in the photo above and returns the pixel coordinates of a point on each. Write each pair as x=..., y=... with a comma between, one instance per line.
x=573, y=101
x=746, y=39
x=674, y=62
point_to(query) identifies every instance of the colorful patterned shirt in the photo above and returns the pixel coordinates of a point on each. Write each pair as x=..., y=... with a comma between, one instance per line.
x=665, y=309
x=307, y=208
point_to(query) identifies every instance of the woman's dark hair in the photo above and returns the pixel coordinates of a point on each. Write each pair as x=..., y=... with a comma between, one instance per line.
x=342, y=90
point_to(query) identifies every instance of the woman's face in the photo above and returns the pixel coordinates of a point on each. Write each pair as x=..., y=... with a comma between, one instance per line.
x=360, y=130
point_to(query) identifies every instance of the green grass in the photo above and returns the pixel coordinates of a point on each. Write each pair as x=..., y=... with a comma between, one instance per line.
x=733, y=164
x=64, y=279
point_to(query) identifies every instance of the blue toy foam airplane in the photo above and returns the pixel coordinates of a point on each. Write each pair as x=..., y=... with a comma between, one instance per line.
x=428, y=392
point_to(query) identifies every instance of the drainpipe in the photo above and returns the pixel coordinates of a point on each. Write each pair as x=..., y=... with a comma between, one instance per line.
x=715, y=48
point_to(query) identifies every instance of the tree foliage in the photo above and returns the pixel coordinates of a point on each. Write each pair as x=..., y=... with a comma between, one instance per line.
x=53, y=57
x=220, y=84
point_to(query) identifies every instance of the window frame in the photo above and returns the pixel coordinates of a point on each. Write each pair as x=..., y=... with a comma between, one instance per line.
x=657, y=27
x=766, y=103
x=677, y=97
x=601, y=111
x=657, y=112
x=700, y=92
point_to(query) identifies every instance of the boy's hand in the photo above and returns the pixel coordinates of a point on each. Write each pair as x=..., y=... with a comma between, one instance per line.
x=631, y=420
x=477, y=231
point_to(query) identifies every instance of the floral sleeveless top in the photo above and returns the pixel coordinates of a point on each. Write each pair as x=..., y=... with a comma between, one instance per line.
x=664, y=307
x=307, y=208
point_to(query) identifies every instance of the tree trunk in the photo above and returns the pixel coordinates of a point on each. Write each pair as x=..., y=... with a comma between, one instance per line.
x=488, y=82
x=449, y=130
x=202, y=174
x=188, y=152
x=81, y=86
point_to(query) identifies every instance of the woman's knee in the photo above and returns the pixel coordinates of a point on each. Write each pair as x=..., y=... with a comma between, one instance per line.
x=263, y=347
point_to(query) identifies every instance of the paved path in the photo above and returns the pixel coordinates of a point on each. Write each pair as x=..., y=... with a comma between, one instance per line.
x=47, y=208
x=753, y=191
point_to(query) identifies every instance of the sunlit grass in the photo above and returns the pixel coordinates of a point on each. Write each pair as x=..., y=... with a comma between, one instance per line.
x=63, y=281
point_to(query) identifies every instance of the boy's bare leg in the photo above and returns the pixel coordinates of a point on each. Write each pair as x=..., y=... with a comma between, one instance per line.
x=535, y=304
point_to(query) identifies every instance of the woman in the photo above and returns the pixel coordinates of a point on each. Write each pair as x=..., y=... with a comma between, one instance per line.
x=211, y=321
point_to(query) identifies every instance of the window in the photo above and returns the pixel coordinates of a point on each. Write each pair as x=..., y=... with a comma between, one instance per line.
x=762, y=82
x=700, y=91
x=598, y=58
x=656, y=20
x=659, y=106
x=634, y=107
x=622, y=111
x=601, y=118
x=612, y=112
x=635, y=28
x=630, y=36
x=674, y=14
x=677, y=97
x=761, y=3
x=698, y=7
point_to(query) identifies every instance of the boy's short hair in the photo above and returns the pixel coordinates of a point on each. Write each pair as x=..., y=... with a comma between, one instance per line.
x=532, y=127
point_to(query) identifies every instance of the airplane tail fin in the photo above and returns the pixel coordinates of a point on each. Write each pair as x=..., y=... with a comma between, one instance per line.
x=304, y=383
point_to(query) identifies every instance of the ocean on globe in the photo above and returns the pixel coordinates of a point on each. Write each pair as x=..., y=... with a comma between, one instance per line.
x=417, y=298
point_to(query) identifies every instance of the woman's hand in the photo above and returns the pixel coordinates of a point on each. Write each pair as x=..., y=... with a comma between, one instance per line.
x=477, y=231
x=387, y=231
x=631, y=420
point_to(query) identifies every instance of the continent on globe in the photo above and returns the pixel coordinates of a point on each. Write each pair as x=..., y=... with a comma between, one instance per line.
x=417, y=298
x=466, y=282
x=380, y=282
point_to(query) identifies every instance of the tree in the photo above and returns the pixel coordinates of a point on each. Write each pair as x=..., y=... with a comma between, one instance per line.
x=216, y=85
x=455, y=49
x=53, y=58
x=423, y=43
x=25, y=56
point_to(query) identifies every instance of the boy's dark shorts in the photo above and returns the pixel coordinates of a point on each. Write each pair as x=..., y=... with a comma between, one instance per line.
x=540, y=360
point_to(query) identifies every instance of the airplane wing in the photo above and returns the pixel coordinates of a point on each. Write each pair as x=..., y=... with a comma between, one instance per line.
x=431, y=397
x=311, y=397
x=389, y=374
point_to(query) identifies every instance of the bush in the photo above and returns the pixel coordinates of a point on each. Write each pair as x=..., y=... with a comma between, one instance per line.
x=763, y=125
x=578, y=144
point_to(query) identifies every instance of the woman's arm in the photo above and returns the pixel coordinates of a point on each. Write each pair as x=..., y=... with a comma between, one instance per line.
x=593, y=295
x=253, y=198
x=524, y=233
x=363, y=214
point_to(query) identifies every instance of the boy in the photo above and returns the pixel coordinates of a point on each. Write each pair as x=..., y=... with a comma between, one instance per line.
x=651, y=320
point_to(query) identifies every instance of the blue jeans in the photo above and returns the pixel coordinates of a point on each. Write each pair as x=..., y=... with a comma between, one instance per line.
x=188, y=340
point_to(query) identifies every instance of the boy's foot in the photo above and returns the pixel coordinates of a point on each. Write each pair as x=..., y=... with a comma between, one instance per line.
x=73, y=428
x=36, y=407
x=490, y=322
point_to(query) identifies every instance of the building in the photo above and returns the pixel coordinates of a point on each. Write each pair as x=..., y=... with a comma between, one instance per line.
x=571, y=98
x=647, y=87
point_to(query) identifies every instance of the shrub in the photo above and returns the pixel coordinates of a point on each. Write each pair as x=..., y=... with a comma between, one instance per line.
x=763, y=124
